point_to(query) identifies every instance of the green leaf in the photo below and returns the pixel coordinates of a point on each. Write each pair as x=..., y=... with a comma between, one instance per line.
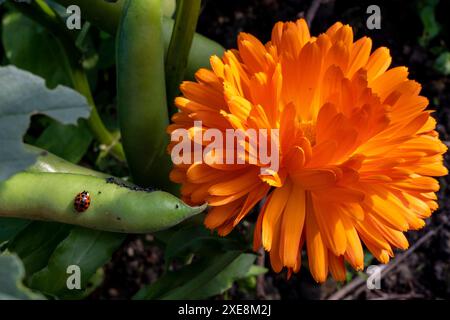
x=87, y=249
x=94, y=282
x=248, y=282
x=256, y=271
x=36, y=243
x=431, y=28
x=9, y=227
x=197, y=239
x=202, y=279
x=66, y=141
x=11, y=276
x=31, y=47
x=22, y=95
x=236, y=270
x=442, y=63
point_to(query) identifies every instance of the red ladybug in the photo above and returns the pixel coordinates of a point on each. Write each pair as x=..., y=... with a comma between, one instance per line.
x=82, y=201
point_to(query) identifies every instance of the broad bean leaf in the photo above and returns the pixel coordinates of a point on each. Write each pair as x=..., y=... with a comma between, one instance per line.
x=9, y=227
x=22, y=95
x=69, y=142
x=203, y=278
x=442, y=63
x=86, y=249
x=31, y=47
x=36, y=243
x=197, y=239
x=431, y=27
x=11, y=276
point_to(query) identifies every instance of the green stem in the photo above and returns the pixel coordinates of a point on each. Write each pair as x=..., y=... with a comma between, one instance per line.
x=40, y=12
x=111, y=143
x=180, y=46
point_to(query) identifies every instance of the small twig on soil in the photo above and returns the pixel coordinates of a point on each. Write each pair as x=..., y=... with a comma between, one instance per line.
x=355, y=285
x=312, y=10
x=408, y=252
x=394, y=296
x=346, y=290
x=260, y=292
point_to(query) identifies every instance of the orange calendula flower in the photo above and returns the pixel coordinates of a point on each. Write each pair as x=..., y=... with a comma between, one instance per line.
x=357, y=149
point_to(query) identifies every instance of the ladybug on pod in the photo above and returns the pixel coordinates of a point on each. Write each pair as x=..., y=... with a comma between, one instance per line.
x=82, y=201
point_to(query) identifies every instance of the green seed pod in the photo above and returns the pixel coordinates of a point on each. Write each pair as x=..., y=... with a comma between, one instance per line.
x=141, y=92
x=113, y=206
x=48, y=162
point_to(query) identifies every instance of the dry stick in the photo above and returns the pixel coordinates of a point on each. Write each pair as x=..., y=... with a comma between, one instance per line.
x=260, y=292
x=355, y=284
x=401, y=296
x=391, y=266
x=360, y=281
x=312, y=10
x=404, y=255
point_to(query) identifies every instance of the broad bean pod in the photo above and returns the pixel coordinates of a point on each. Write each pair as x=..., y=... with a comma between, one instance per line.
x=50, y=163
x=141, y=92
x=47, y=189
x=114, y=206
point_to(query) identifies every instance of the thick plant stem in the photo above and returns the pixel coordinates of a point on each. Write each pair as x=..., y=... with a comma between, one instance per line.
x=180, y=46
x=40, y=12
x=141, y=93
x=106, y=16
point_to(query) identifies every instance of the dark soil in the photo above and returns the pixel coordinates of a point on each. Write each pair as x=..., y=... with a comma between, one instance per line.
x=426, y=271
x=138, y=262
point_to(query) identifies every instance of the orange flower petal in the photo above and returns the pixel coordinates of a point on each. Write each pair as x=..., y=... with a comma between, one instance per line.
x=317, y=252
